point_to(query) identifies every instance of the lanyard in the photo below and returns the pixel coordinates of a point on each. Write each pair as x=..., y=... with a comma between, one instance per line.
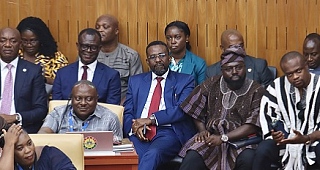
x=20, y=168
x=34, y=163
x=84, y=124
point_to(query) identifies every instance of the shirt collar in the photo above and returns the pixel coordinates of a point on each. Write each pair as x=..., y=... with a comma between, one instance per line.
x=165, y=75
x=91, y=66
x=13, y=62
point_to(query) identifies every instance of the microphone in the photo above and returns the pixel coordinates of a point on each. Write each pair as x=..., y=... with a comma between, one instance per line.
x=64, y=113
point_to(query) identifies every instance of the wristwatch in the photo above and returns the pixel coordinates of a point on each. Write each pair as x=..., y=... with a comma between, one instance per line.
x=224, y=138
x=18, y=118
x=153, y=119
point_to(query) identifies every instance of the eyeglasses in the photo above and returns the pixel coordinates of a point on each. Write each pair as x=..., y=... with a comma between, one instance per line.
x=238, y=67
x=85, y=47
x=154, y=56
x=32, y=42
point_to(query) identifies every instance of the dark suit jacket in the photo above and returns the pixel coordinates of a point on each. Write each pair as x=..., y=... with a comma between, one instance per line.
x=30, y=97
x=257, y=69
x=178, y=86
x=105, y=79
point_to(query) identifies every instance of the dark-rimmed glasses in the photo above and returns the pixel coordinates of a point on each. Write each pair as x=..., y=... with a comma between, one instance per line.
x=32, y=42
x=85, y=47
x=154, y=56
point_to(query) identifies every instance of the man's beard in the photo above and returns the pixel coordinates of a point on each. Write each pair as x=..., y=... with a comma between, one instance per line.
x=159, y=71
x=235, y=84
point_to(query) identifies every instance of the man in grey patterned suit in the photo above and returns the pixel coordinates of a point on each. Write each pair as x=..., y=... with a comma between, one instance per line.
x=83, y=114
x=116, y=55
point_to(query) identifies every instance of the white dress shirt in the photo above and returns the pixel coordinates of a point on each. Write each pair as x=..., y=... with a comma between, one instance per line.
x=90, y=70
x=4, y=72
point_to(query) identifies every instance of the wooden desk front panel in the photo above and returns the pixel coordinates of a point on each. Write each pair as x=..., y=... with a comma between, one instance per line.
x=124, y=161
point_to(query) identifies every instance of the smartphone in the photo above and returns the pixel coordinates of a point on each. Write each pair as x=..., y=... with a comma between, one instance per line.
x=278, y=125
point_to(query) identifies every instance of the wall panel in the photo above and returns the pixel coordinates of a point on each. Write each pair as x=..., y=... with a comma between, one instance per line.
x=270, y=27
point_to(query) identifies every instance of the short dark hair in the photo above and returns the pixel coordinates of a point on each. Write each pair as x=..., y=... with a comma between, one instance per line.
x=153, y=43
x=89, y=31
x=48, y=46
x=291, y=55
x=182, y=26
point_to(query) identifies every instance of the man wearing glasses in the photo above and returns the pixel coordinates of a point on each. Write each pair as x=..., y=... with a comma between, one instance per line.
x=105, y=79
x=292, y=99
x=153, y=120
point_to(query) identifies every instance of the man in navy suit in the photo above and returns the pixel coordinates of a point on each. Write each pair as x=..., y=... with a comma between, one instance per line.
x=27, y=101
x=173, y=127
x=106, y=79
x=256, y=68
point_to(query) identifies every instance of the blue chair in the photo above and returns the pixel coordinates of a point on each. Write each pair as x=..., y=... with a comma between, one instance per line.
x=273, y=71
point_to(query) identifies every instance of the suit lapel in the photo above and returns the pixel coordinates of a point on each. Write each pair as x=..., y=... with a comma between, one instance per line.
x=249, y=68
x=21, y=75
x=74, y=69
x=169, y=88
x=97, y=75
x=143, y=92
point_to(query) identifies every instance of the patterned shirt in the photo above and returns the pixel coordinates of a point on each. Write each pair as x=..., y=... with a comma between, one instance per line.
x=49, y=65
x=102, y=119
x=126, y=61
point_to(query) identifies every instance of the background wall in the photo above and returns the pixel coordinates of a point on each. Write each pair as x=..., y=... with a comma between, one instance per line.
x=270, y=27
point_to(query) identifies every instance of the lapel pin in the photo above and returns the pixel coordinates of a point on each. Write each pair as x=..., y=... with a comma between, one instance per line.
x=24, y=70
x=249, y=70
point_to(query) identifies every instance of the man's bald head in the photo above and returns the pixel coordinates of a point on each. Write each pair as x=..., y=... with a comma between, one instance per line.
x=13, y=30
x=108, y=27
x=84, y=82
x=231, y=38
x=110, y=18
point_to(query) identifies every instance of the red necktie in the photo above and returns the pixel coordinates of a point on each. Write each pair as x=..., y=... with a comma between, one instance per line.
x=84, y=74
x=154, y=106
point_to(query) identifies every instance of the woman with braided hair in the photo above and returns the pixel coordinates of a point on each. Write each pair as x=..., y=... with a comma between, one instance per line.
x=39, y=47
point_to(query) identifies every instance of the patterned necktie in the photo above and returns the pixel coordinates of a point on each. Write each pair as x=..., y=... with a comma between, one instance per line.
x=154, y=106
x=84, y=74
x=7, y=92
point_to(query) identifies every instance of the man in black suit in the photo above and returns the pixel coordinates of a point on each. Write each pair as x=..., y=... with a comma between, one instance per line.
x=256, y=68
x=24, y=99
